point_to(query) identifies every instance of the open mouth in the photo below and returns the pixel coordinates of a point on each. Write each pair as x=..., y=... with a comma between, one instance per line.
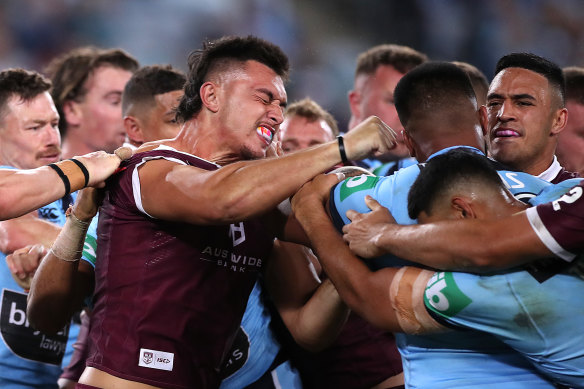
x=265, y=133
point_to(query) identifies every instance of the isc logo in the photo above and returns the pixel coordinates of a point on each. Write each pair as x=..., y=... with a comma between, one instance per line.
x=154, y=359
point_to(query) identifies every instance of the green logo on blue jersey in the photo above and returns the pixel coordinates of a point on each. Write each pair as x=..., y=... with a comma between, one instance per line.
x=90, y=249
x=443, y=296
x=356, y=184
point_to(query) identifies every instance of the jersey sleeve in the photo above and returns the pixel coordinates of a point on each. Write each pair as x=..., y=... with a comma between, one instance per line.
x=350, y=194
x=470, y=301
x=90, y=245
x=559, y=224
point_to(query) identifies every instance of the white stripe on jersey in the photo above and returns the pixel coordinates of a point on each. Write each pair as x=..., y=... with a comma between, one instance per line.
x=545, y=236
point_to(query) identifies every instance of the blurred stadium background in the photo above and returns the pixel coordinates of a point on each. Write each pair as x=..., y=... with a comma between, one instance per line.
x=322, y=37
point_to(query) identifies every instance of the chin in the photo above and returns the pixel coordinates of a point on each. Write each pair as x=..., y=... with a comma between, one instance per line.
x=247, y=154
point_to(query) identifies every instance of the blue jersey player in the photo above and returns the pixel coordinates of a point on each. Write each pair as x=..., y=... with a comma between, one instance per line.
x=437, y=107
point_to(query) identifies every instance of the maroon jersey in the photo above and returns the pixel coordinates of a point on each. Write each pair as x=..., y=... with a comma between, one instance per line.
x=361, y=357
x=564, y=175
x=169, y=296
x=560, y=223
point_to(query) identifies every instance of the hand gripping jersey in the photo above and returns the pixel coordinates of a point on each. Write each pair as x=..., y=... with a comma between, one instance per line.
x=29, y=358
x=169, y=296
x=469, y=359
x=541, y=320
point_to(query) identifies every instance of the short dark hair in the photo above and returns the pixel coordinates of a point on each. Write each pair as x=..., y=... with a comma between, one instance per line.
x=22, y=83
x=479, y=81
x=223, y=52
x=444, y=171
x=150, y=81
x=535, y=63
x=312, y=111
x=402, y=58
x=574, y=81
x=70, y=71
x=430, y=87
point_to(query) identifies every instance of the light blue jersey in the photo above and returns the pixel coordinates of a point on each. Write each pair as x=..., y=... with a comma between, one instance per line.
x=468, y=359
x=28, y=358
x=255, y=348
x=541, y=320
x=389, y=168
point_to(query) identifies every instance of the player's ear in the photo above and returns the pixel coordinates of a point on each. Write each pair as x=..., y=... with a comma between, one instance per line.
x=560, y=120
x=463, y=208
x=354, y=100
x=409, y=143
x=73, y=113
x=483, y=118
x=209, y=96
x=133, y=129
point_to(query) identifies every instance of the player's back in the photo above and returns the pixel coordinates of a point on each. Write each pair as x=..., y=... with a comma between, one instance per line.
x=458, y=359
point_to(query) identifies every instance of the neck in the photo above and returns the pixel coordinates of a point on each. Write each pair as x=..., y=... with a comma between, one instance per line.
x=535, y=168
x=203, y=140
x=435, y=133
x=73, y=147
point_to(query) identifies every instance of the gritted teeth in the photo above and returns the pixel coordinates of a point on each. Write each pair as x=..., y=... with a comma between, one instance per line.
x=265, y=133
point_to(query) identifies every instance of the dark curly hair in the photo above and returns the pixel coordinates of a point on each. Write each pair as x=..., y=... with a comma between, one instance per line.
x=221, y=53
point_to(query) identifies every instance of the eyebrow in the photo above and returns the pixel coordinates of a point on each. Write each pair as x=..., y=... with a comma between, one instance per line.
x=113, y=93
x=283, y=103
x=514, y=97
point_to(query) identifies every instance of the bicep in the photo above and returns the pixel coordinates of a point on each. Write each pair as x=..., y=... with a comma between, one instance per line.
x=174, y=192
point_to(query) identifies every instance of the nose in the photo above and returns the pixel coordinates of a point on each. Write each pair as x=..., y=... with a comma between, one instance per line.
x=276, y=113
x=506, y=111
x=52, y=135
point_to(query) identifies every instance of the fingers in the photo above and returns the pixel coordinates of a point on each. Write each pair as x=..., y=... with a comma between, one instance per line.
x=351, y=215
x=24, y=262
x=371, y=203
x=123, y=153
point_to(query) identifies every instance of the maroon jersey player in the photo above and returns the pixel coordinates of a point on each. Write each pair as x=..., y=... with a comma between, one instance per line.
x=200, y=209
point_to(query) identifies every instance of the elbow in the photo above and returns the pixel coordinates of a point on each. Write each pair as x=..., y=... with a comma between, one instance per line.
x=313, y=345
x=44, y=319
x=223, y=210
x=316, y=342
x=485, y=258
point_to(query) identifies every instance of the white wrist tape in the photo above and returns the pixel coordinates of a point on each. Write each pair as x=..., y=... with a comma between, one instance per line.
x=69, y=244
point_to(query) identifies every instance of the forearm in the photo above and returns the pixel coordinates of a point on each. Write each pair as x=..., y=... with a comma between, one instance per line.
x=26, y=230
x=465, y=245
x=347, y=272
x=232, y=192
x=59, y=287
x=22, y=191
x=321, y=319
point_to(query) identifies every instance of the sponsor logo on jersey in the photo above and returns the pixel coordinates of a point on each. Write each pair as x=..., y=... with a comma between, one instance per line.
x=443, y=296
x=147, y=357
x=154, y=359
x=237, y=233
x=233, y=261
x=238, y=355
x=90, y=249
x=22, y=339
x=357, y=184
x=48, y=213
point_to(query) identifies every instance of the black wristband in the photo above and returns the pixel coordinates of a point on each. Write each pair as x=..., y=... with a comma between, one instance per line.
x=63, y=177
x=342, y=149
x=83, y=169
